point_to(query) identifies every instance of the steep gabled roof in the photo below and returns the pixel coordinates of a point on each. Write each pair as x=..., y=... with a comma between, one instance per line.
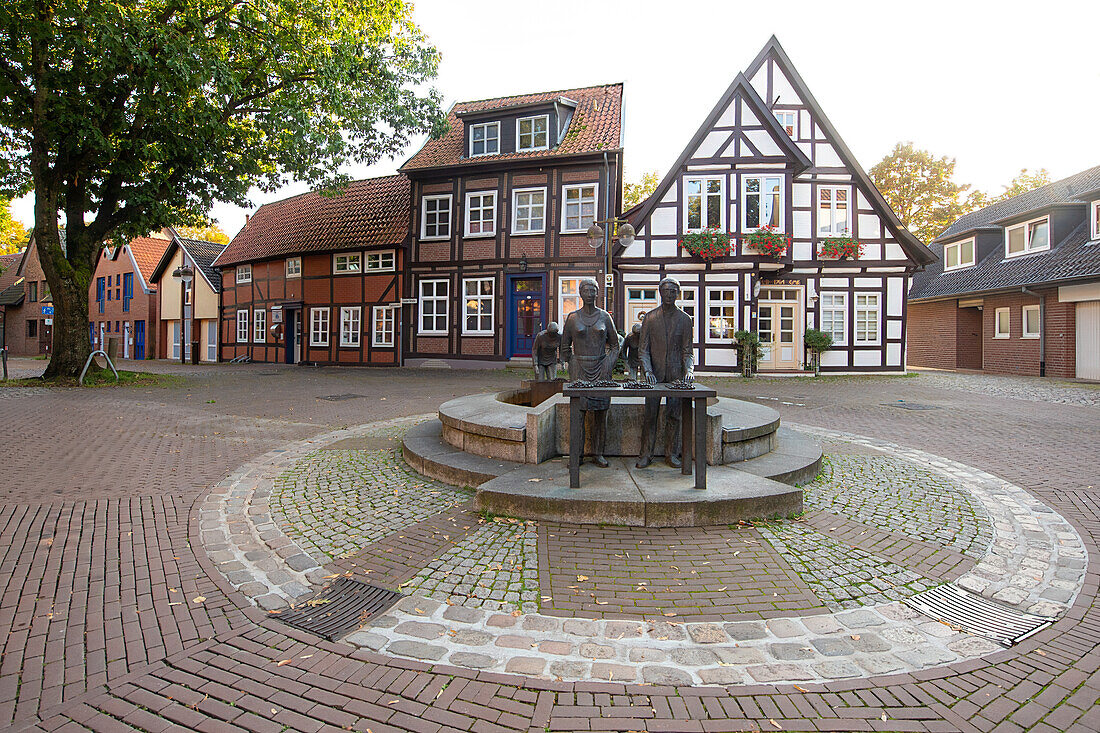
x=1072, y=190
x=369, y=213
x=11, y=284
x=145, y=253
x=596, y=127
x=201, y=252
x=912, y=246
x=741, y=86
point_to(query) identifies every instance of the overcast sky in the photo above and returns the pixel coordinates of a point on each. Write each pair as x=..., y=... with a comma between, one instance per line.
x=999, y=86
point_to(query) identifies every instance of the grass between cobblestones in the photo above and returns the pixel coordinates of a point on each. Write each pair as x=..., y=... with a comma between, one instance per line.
x=99, y=378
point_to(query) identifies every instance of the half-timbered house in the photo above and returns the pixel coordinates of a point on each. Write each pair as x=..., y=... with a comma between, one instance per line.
x=767, y=156
x=317, y=278
x=500, y=207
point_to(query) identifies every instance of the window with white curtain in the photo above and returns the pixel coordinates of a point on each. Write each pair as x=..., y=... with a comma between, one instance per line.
x=722, y=308
x=481, y=213
x=434, y=296
x=318, y=326
x=529, y=207
x=242, y=326
x=833, y=212
x=350, y=326
x=834, y=317
x=259, y=326
x=867, y=318
x=579, y=211
x=383, y=325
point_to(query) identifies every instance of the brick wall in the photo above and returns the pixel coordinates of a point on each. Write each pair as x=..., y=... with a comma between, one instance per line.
x=1017, y=355
x=15, y=318
x=930, y=334
x=141, y=308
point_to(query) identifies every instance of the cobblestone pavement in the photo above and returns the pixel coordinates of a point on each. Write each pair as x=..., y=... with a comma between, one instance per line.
x=242, y=671
x=1034, y=389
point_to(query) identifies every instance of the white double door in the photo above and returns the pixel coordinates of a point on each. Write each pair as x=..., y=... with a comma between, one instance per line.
x=779, y=323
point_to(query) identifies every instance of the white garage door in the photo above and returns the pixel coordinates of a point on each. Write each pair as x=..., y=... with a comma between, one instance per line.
x=1088, y=340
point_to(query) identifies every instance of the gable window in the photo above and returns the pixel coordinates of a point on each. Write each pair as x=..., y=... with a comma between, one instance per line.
x=127, y=291
x=569, y=296
x=259, y=325
x=481, y=214
x=1095, y=219
x=529, y=206
x=788, y=120
x=32, y=292
x=833, y=214
x=867, y=318
x=293, y=267
x=350, y=326
x=348, y=264
x=478, y=296
x=435, y=223
x=434, y=297
x=244, y=274
x=318, y=327
x=100, y=292
x=721, y=315
x=384, y=261
x=762, y=202
x=834, y=317
x=1031, y=236
x=1001, y=323
x=242, y=326
x=485, y=138
x=579, y=211
x=958, y=255
x=532, y=133
x=704, y=204
x=383, y=325
x=1031, y=321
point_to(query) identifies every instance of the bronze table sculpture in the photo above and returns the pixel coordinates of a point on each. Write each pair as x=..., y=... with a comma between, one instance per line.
x=590, y=343
x=666, y=355
x=544, y=353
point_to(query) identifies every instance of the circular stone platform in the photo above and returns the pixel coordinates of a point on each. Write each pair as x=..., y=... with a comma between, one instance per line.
x=514, y=456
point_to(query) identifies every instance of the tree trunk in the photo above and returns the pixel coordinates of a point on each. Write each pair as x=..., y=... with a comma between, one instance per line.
x=69, y=288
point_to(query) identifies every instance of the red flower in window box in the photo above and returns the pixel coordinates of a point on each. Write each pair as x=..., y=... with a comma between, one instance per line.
x=841, y=248
x=768, y=242
x=708, y=244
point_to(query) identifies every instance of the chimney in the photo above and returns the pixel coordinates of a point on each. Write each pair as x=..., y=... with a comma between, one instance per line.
x=246, y=218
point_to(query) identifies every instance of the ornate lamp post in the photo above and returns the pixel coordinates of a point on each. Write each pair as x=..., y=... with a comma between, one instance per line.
x=619, y=230
x=183, y=275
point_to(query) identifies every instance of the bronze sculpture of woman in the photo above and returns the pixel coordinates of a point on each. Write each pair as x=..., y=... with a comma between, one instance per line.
x=590, y=343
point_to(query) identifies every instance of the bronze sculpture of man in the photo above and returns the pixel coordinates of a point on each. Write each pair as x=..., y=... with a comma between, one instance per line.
x=666, y=355
x=590, y=343
x=631, y=346
x=544, y=353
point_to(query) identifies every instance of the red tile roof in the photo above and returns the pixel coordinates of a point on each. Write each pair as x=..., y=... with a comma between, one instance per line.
x=369, y=213
x=147, y=252
x=596, y=126
x=9, y=266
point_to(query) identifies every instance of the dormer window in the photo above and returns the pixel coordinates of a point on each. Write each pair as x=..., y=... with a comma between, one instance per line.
x=1095, y=218
x=958, y=255
x=788, y=120
x=533, y=133
x=1031, y=236
x=485, y=138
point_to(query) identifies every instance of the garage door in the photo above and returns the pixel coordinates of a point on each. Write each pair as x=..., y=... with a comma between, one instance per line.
x=1088, y=340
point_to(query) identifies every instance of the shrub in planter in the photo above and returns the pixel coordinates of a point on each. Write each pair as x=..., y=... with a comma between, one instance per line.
x=842, y=248
x=768, y=242
x=707, y=243
x=818, y=342
x=749, y=351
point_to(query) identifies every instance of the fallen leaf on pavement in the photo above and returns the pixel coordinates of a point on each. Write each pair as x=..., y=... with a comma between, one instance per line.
x=198, y=599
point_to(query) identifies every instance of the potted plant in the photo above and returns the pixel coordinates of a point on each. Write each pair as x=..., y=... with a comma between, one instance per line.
x=707, y=243
x=749, y=351
x=841, y=248
x=818, y=342
x=768, y=242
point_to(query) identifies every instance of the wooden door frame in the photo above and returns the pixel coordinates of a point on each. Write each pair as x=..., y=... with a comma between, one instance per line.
x=509, y=317
x=799, y=323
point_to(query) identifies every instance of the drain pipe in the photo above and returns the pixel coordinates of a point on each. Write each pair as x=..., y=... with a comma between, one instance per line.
x=1042, y=329
x=607, y=304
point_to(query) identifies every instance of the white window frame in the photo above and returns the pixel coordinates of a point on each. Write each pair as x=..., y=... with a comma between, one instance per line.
x=383, y=326
x=348, y=258
x=319, y=326
x=293, y=267
x=862, y=309
x=1094, y=211
x=520, y=148
x=1023, y=313
x=486, y=139
x=997, y=332
x=435, y=297
x=481, y=299
x=351, y=338
x=793, y=134
x=376, y=261
x=481, y=207
x=640, y=297
x=847, y=231
x=242, y=325
x=244, y=274
x=958, y=248
x=742, y=204
x=580, y=203
x=259, y=326
x=689, y=303
x=175, y=337
x=704, y=208
x=711, y=301
x=516, y=193
x=833, y=308
x=424, y=218
x=1028, y=227
x=212, y=340
x=565, y=293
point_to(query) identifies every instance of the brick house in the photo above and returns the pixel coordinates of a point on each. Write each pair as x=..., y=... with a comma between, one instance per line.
x=318, y=278
x=25, y=303
x=1016, y=287
x=188, y=314
x=500, y=207
x=122, y=302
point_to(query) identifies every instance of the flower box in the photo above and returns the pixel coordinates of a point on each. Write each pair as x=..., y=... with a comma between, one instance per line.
x=707, y=244
x=768, y=242
x=840, y=248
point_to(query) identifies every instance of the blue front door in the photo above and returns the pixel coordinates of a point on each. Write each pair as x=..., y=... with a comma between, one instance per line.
x=139, y=339
x=526, y=308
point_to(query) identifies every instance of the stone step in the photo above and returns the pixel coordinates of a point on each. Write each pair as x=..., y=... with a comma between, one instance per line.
x=796, y=460
x=434, y=364
x=425, y=451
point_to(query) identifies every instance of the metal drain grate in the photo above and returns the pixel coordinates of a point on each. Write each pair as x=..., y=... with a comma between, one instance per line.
x=977, y=615
x=340, y=397
x=339, y=609
x=910, y=405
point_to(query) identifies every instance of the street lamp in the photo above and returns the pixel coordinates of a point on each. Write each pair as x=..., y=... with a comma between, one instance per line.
x=620, y=230
x=184, y=274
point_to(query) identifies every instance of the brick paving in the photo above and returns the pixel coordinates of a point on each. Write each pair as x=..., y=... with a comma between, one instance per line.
x=1049, y=682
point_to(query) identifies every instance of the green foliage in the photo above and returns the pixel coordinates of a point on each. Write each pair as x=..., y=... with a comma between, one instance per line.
x=749, y=350
x=1022, y=183
x=919, y=188
x=211, y=233
x=818, y=341
x=636, y=193
x=841, y=247
x=769, y=242
x=707, y=243
x=13, y=235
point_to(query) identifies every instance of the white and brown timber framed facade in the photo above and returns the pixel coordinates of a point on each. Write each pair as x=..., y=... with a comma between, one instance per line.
x=781, y=163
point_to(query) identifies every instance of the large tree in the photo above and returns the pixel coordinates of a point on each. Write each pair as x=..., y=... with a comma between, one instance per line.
x=636, y=193
x=1022, y=183
x=212, y=233
x=13, y=235
x=920, y=189
x=124, y=117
